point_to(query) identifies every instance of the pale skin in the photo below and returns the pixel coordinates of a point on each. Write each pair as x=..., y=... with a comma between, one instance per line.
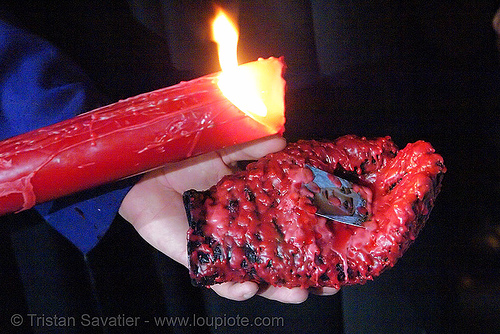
x=155, y=208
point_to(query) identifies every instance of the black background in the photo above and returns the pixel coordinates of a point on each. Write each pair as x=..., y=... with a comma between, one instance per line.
x=408, y=69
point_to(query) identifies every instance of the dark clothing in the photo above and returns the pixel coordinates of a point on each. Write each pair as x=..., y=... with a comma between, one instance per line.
x=412, y=70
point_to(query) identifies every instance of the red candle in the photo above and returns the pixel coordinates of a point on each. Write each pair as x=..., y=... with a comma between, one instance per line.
x=135, y=135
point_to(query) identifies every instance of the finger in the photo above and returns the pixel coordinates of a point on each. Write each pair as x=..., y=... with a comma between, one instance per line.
x=236, y=291
x=253, y=150
x=285, y=295
x=203, y=171
x=324, y=291
x=199, y=173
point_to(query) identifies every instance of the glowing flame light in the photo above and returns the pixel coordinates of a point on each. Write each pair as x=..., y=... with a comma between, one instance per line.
x=237, y=83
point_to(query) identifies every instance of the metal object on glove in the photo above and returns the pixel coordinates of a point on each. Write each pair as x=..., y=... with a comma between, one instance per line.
x=336, y=199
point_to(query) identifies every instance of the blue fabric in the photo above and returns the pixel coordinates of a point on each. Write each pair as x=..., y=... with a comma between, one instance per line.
x=38, y=87
x=84, y=218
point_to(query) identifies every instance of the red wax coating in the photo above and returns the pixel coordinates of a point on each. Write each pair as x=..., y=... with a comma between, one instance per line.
x=133, y=136
x=260, y=224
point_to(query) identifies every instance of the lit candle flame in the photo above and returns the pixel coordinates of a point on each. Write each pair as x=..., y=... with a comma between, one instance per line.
x=226, y=36
x=237, y=83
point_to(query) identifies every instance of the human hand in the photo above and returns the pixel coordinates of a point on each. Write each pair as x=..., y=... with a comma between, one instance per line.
x=154, y=206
